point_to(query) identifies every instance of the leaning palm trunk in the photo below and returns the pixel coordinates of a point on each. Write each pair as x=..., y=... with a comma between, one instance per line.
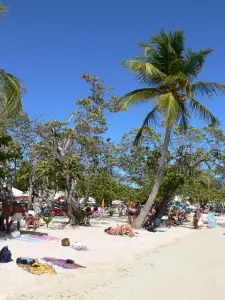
x=166, y=202
x=138, y=223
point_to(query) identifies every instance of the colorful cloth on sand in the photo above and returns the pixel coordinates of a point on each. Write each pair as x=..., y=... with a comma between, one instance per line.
x=36, y=238
x=38, y=269
x=62, y=263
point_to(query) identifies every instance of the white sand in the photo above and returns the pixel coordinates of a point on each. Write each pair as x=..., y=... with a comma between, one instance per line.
x=111, y=262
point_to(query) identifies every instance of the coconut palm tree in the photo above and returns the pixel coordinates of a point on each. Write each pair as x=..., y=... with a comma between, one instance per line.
x=11, y=88
x=169, y=71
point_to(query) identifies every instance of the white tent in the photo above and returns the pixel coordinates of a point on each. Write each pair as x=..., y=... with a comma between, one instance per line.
x=17, y=193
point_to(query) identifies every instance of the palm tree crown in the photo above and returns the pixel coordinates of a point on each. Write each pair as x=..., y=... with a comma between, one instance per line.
x=11, y=88
x=169, y=70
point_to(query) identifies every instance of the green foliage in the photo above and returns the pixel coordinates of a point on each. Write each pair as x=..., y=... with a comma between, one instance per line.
x=47, y=219
x=111, y=212
x=170, y=70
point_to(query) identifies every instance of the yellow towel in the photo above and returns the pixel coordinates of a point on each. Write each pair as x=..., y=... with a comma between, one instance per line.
x=38, y=269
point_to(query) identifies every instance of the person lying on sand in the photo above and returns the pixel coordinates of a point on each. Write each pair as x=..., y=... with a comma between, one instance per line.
x=121, y=230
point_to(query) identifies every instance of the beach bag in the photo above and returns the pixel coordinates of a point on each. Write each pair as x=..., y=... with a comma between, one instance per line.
x=25, y=261
x=65, y=242
x=5, y=255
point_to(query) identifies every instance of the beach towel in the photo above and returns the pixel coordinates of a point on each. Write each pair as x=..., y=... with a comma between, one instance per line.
x=36, y=238
x=62, y=263
x=211, y=220
x=38, y=269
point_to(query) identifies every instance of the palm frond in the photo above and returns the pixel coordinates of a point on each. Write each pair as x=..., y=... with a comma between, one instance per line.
x=151, y=118
x=169, y=107
x=177, y=80
x=194, y=62
x=207, y=88
x=138, y=96
x=183, y=116
x=3, y=9
x=147, y=48
x=202, y=112
x=177, y=42
x=11, y=92
x=145, y=72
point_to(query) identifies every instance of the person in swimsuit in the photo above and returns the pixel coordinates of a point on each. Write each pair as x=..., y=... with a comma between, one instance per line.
x=197, y=216
x=17, y=215
x=125, y=229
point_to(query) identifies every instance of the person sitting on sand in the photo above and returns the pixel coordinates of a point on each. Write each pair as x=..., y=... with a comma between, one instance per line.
x=125, y=229
x=170, y=221
x=16, y=214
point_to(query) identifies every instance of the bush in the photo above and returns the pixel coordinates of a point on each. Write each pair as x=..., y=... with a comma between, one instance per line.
x=111, y=212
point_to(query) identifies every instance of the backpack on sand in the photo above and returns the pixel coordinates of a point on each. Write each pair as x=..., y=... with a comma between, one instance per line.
x=5, y=255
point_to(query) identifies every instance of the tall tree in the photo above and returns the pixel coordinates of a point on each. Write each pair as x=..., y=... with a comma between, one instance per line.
x=170, y=70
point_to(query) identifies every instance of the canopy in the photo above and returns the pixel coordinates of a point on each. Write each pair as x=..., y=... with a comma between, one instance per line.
x=19, y=194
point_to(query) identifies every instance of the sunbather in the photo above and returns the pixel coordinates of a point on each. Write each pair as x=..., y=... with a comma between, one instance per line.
x=121, y=230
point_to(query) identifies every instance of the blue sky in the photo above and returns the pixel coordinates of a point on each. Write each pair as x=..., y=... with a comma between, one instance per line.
x=50, y=43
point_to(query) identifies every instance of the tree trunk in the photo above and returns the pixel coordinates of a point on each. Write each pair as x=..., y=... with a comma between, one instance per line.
x=164, y=204
x=87, y=194
x=138, y=223
x=30, y=189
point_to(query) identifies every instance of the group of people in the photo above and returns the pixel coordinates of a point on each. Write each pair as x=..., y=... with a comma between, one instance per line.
x=10, y=213
x=133, y=212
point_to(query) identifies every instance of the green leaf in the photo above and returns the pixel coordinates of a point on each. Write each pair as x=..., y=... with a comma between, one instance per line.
x=202, y=112
x=139, y=96
x=207, y=88
x=145, y=72
x=151, y=118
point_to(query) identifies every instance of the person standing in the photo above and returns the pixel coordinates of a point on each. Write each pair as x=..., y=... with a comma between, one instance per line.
x=197, y=216
x=17, y=215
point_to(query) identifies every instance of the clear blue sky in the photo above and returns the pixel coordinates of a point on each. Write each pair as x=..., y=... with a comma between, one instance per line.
x=50, y=43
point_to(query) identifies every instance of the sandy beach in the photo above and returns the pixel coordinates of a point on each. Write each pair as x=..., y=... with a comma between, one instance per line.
x=118, y=267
